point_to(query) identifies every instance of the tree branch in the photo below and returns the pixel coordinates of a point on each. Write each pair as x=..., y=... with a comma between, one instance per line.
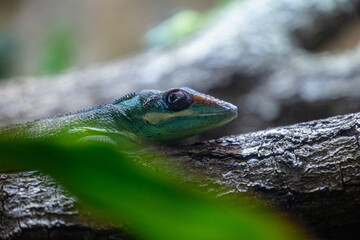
x=310, y=170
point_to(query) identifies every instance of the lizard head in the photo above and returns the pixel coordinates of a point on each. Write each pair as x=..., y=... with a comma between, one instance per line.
x=179, y=113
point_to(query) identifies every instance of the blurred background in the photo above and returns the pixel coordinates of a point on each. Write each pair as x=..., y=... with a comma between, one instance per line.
x=280, y=62
x=47, y=36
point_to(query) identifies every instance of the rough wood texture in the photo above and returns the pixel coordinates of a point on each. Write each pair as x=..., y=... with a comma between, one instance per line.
x=311, y=170
x=33, y=206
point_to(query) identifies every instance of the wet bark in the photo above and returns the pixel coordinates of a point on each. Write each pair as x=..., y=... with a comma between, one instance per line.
x=309, y=170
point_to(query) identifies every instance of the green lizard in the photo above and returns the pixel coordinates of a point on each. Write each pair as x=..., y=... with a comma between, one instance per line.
x=160, y=116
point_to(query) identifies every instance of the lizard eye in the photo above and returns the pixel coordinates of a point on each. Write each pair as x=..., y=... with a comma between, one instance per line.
x=178, y=100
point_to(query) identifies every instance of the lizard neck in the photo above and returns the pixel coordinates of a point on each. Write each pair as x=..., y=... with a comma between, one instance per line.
x=102, y=120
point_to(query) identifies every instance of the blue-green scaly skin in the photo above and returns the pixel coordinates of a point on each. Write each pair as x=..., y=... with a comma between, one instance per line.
x=147, y=115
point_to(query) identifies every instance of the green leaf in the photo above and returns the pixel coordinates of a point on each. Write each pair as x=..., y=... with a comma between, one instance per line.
x=173, y=29
x=111, y=184
x=182, y=25
x=58, y=51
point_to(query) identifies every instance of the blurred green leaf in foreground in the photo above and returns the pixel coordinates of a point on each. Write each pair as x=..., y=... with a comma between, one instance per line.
x=113, y=185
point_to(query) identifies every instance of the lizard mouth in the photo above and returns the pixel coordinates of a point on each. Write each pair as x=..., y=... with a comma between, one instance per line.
x=157, y=118
x=230, y=112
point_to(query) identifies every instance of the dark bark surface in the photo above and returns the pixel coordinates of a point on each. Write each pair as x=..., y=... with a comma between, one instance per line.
x=310, y=170
x=33, y=206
